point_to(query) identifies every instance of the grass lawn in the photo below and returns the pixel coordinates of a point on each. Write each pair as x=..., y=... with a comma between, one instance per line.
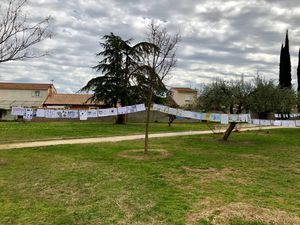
x=253, y=179
x=30, y=131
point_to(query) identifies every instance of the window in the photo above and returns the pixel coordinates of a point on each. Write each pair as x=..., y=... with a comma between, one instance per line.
x=37, y=94
x=187, y=98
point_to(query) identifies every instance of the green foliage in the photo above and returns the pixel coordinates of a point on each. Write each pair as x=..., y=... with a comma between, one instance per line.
x=225, y=96
x=260, y=96
x=119, y=64
x=263, y=99
x=268, y=97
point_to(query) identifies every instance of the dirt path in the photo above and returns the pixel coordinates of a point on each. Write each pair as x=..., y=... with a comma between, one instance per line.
x=112, y=139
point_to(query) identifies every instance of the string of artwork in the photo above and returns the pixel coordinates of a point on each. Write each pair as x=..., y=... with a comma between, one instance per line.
x=29, y=114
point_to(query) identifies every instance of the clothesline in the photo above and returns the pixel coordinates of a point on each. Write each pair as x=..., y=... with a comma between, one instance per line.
x=29, y=113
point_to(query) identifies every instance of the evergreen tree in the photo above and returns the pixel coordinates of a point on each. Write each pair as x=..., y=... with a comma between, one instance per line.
x=298, y=71
x=285, y=77
x=118, y=62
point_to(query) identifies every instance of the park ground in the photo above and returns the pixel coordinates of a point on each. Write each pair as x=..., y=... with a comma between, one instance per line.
x=36, y=131
x=253, y=179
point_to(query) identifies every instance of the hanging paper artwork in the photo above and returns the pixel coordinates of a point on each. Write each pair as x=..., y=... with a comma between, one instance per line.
x=17, y=111
x=215, y=117
x=233, y=117
x=73, y=114
x=131, y=109
x=140, y=107
x=28, y=114
x=64, y=114
x=291, y=123
x=277, y=123
x=107, y=112
x=40, y=113
x=122, y=110
x=83, y=115
x=92, y=113
x=224, y=119
x=161, y=108
x=173, y=111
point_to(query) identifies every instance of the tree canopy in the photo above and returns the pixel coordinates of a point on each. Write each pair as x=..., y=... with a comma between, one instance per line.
x=118, y=65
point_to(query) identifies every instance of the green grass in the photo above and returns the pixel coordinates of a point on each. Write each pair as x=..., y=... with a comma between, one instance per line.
x=29, y=131
x=201, y=180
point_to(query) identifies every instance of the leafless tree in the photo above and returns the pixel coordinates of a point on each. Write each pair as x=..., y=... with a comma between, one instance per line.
x=162, y=59
x=17, y=34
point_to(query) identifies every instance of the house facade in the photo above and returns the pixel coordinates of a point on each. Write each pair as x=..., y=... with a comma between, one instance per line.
x=23, y=94
x=183, y=96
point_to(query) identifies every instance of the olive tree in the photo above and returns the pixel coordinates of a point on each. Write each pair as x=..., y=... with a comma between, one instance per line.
x=259, y=96
x=267, y=97
x=227, y=97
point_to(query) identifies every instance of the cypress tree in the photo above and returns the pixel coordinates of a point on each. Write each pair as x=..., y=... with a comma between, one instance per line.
x=298, y=71
x=281, y=67
x=285, y=76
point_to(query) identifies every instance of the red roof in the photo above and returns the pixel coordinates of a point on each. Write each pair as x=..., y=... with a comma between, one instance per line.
x=69, y=99
x=185, y=90
x=25, y=86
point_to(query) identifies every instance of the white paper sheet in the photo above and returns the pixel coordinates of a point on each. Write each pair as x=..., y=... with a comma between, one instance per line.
x=92, y=113
x=234, y=118
x=65, y=114
x=40, y=113
x=224, y=119
x=28, y=114
x=107, y=112
x=187, y=114
x=291, y=123
x=297, y=122
x=73, y=114
x=265, y=122
x=131, y=109
x=122, y=110
x=83, y=115
x=180, y=113
x=215, y=117
x=256, y=121
x=140, y=107
x=277, y=123
x=244, y=118
x=173, y=111
x=161, y=108
x=17, y=111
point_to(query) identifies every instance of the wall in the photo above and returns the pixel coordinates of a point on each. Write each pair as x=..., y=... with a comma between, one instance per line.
x=180, y=97
x=22, y=95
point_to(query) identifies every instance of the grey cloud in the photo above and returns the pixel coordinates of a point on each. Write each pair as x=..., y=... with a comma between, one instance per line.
x=219, y=38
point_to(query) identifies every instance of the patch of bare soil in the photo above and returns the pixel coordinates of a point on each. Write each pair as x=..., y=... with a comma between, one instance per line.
x=139, y=154
x=3, y=162
x=221, y=215
x=253, y=156
x=211, y=173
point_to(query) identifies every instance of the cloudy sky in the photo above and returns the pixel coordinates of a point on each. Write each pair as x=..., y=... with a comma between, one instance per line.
x=220, y=38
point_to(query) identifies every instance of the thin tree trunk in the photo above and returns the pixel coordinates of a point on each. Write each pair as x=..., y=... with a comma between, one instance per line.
x=120, y=119
x=229, y=130
x=147, y=124
x=171, y=119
